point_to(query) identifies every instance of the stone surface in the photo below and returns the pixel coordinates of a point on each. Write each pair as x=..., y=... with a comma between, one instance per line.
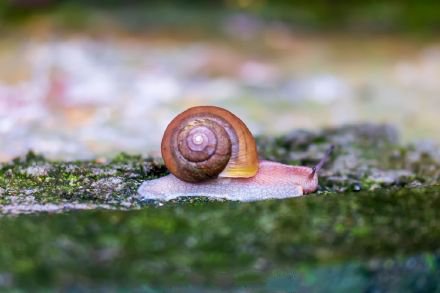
x=367, y=157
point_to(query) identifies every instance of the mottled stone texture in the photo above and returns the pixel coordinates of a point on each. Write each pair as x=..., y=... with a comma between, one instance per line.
x=367, y=157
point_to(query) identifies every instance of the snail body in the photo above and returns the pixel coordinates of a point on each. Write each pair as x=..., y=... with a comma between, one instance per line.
x=273, y=180
x=210, y=152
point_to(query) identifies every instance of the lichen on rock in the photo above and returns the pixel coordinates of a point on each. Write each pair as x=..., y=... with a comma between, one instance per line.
x=32, y=183
x=367, y=157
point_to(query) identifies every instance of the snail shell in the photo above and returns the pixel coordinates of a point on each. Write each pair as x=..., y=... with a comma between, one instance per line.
x=205, y=142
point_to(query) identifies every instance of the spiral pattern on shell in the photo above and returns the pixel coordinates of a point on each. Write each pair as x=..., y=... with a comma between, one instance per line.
x=205, y=142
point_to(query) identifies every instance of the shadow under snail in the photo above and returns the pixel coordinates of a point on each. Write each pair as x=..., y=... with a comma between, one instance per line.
x=210, y=152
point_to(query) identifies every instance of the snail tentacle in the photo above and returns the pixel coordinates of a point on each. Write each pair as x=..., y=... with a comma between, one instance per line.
x=210, y=152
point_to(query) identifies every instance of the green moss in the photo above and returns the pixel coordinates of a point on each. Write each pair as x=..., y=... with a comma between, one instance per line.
x=219, y=243
x=33, y=179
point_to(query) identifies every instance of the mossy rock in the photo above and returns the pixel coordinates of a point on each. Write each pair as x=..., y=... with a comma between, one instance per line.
x=367, y=157
x=373, y=223
x=368, y=237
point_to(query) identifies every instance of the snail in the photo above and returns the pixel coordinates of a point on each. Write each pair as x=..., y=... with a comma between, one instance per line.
x=210, y=152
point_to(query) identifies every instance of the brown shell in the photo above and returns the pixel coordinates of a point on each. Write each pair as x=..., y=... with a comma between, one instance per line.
x=205, y=142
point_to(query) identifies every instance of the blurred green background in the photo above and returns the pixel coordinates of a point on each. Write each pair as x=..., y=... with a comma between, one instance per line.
x=80, y=79
x=376, y=16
